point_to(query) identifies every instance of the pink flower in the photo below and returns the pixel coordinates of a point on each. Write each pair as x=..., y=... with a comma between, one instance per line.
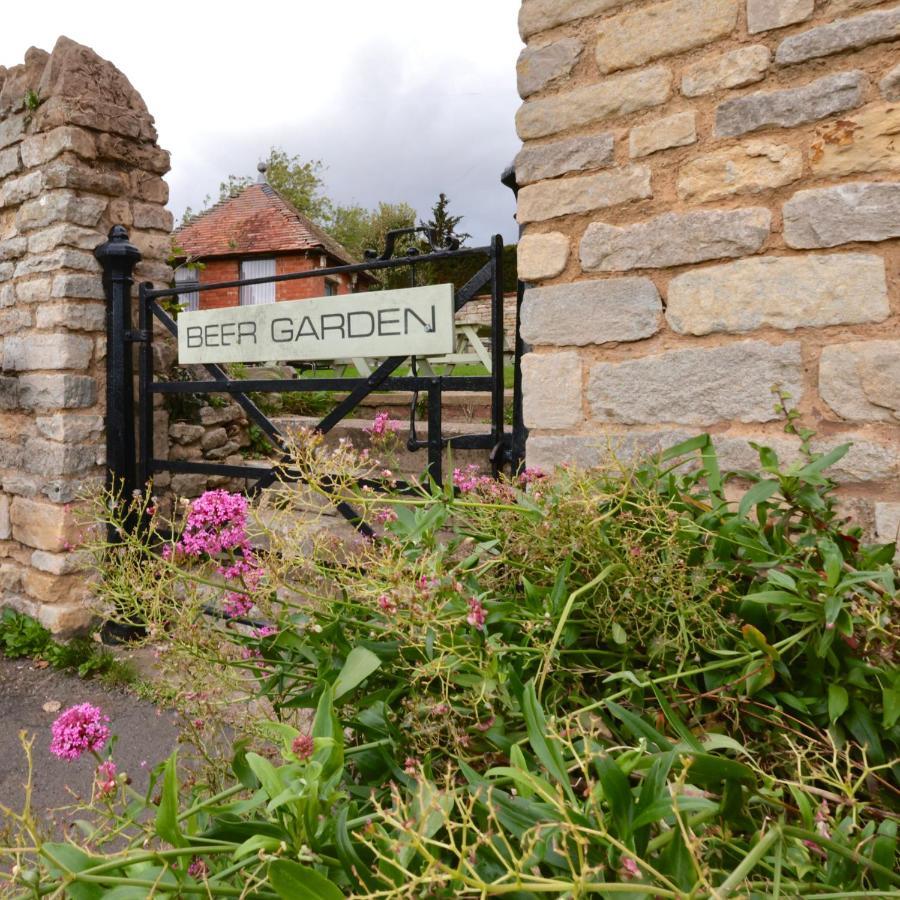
x=266, y=631
x=531, y=474
x=78, y=730
x=216, y=523
x=630, y=868
x=468, y=479
x=106, y=778
x=303, y=747
x=383, y=424
x=383, y=516
x=477, y=616
x=411, y=765
x=237, y=605
x=198, y=868
x=386, y=604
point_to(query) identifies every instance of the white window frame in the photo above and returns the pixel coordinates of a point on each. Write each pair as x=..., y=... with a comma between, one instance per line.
x=185, y=275
x=257, y=294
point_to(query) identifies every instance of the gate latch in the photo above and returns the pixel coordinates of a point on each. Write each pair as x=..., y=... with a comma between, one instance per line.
x=140, y=336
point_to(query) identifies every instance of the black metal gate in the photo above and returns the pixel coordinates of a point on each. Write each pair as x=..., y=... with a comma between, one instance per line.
x=130, y=459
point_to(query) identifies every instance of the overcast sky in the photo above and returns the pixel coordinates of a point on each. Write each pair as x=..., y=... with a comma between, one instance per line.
x=399, y=99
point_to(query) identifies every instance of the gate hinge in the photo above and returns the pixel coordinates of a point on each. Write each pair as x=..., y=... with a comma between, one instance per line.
x=139, y=336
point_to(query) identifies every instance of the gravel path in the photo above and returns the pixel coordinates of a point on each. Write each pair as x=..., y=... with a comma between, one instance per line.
x=146, y=735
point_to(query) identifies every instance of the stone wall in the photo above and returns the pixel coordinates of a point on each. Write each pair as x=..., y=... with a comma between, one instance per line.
x=78, y=154
x=710, y=191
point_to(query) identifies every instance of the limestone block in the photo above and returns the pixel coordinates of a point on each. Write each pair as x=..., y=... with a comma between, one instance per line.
x=149, y=187
x=551, y=385
x=34, y=290
x=541, y=15
x=10, y=450
x=133, y=153
x=64, y=235
x=152, y=215
x=188, y=485
x=223, y=452
x=211, y=415
x=591, y=312
x=214, y=437
x=9, y=392
x=750, y=168
x=697, y=386
x=834, y=7
x=674, y=131
x=74, y=316
x=541, y=66
x=82, y=177
x=867, y=141
x=860, y=380
x=5, y=525
x=60, y=206
x=55, y=588
x=633, y=38
x=766, y=15
x=12, y=128
x=10, y=578
x=44, y=526
x=56, y=391
x=60, y=258
x=53, y=459
x=675, y=239
x=784, y=292
x=791, y=106
x=77, y=287
x=866, y=461
x=14, y=319
x=41, y=148
x=887, y=525
x=890, y=86
x=537, y=162
x=546, y=451
x=18, y=190
x=60, y=563
x=69, y=427
x=571, y=196
x=736, y=68
x=616, y=96
x=65, y=620
x=542, y=256
x=13, y=248
x=46, y=351
x=826, y=217
x=183, y=433
x=837, y=37
x=9, y=162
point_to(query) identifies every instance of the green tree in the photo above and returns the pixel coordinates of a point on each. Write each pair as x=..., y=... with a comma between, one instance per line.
x=444, y=224
x=360, y=229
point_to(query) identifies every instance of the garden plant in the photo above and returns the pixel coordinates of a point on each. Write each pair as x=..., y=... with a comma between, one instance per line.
x=657, y=680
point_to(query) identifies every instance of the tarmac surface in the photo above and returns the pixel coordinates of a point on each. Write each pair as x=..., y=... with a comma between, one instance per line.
x=146, y=735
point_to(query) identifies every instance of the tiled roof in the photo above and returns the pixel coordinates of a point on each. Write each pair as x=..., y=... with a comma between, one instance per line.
x=257, y=220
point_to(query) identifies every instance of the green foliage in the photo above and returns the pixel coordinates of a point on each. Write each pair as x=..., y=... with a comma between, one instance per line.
x=360, y=229
x=444, y=225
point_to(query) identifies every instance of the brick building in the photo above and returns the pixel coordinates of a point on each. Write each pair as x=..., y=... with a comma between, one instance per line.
x=254, y=234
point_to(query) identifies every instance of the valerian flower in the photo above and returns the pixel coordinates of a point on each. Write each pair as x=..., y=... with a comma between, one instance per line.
x=303, y=747
x=79, y=730
x=477, y=615
x=106, y=778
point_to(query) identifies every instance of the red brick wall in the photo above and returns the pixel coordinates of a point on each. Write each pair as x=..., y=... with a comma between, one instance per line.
x=301, y=289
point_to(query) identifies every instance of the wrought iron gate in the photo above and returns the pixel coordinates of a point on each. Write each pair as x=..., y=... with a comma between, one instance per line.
x=130, y=457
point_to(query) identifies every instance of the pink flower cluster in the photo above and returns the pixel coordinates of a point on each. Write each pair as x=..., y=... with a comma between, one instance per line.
x=530, y=475
x=216, y=523
x=303, y=747
x=79, y=730
x=383, y=424
x=477, y=615
x=469, y=479
x=106, y=778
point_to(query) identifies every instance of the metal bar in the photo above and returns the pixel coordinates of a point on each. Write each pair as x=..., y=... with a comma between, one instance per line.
x=145, y=381
x=474, y=284
x=189, y=467
x=519, y=432
x=497, y=335
x=319, y=273
x=462, y=383
x=435, y=443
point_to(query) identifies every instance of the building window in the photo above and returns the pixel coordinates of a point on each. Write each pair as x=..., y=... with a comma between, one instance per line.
x=331, y=287
x=183, y=276
x=257, y=294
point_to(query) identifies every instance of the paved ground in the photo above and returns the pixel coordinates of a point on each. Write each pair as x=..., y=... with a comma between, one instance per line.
x=145, y=735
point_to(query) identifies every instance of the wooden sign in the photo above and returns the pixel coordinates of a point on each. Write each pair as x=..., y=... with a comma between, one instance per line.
x=409, y=322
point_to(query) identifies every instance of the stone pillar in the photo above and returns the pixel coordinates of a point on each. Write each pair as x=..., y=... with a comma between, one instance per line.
x=710, y=191
x=78, y=154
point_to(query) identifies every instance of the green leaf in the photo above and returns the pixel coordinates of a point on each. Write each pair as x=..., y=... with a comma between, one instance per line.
x=891, y=698
x=699, y=442
x=547, y=751
x=824, y=461
x=859, y=721
x=618, y=794
x=884, y=851
x=256, y=843
x=292, y=881
x=65, y=859
x=517, y=761
x=838, y=700
x=679, y=726
x=167, y=813
x=760, y=492
x=239, y=766
x=618, y=634
x=638, y=727
x=360, y=664
x=665, y=806
x=713, y=770
x=266, y=773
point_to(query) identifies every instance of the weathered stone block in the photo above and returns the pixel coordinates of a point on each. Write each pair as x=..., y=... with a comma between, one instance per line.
x=617, y=96
x=183, y=433
x=674, y=131
x=64, y=235
x=835, y=7
x=133, y=153
x=10, y=578
x=887, y=525
x=9, y=392
x=736, y=68
x=188, y=485
x=867, y=141
x=541, y=66
x=152, y=215
x=78, y=287
x=5, y=525
x=60, y=206
x=41, y=148
x=222, y=452
x=546, y=451
x=766, y=15
x=149, y=187
x=860, y=380
x=60, y=258
x=635, y=37
x=213, y=438
x=9, y=162
x=11, y=129
x=60, y=563
x=34, y=290
x=890, y=85
x=44, y=526
x=211, y=415
x=14, y=319
x=784, y=292
x=81, y=177
x=65, y=620
x=866, y=461
x=745, y=169
x=697, y=386
x=55, y=588
x=826, y=217
x=591, y=312
x=13, y=248
x=571, y=196
x=18, y=190
x=542, y=256
x=53, y=459
x=836, y=37
x=46, y=351
x=551, y=386
x=791, y=106
x=56, y=391
x=675, y=239
x=541, y=15
x=74, y=316
x=70, y=428
x=537, y=162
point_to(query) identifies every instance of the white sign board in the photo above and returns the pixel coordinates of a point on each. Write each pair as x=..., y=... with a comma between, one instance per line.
x=410, y=322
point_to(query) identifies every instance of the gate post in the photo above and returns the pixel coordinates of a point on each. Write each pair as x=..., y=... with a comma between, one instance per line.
x=118, y=257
